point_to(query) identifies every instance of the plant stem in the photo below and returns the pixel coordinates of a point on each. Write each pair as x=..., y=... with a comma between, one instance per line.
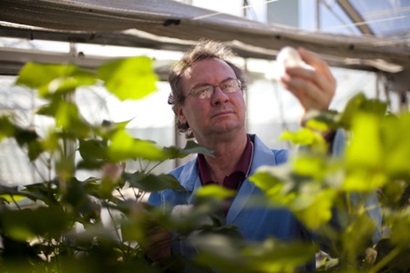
x=388, y=258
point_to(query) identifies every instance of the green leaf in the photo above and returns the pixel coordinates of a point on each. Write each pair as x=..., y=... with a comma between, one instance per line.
x=130, y=78
x=153, y=183
x=109, y=128
x=42, y=191
x=93, y=149
x=35, y=148
x=78, y=197
x=6, y=127
x=191, y=147
x=24, y=136
x=31, y=139
x=124, y=147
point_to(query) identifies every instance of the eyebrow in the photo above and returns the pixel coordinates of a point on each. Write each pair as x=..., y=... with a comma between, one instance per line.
x=205, y=84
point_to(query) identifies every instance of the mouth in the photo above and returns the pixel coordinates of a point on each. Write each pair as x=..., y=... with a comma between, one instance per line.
x=222, y=113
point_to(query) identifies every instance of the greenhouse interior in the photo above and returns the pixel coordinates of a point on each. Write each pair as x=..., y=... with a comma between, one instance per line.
x=365, y=42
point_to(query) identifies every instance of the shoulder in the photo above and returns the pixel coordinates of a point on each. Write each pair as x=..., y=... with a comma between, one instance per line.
x=267, y=156
x=281, y=156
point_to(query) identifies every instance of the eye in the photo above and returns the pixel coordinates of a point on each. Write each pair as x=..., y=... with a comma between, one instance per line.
x=229, y=86
x=202, y=91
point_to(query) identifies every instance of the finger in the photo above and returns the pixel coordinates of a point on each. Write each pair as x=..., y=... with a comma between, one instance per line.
x=158, y=234
x=316, y=62
x=324, y=85
x=307, y=93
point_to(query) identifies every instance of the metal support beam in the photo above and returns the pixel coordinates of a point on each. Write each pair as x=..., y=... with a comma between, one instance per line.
x=355, y=16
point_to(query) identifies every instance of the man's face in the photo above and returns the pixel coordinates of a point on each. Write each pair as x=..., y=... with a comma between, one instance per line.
x=222, y=115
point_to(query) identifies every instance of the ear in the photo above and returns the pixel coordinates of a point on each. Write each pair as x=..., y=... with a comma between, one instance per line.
x=180, y=114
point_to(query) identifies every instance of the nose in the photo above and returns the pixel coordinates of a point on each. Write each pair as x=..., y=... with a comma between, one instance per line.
x=219, y=96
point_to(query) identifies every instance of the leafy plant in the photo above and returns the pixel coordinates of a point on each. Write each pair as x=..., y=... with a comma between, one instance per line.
x=316, y=186
x=64, y=228
x=88, y=225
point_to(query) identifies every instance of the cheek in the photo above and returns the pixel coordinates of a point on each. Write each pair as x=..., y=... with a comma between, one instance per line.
x=188, y=113
x=241, y=105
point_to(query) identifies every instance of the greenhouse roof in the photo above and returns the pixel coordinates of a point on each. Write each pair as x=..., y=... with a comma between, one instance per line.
x=165, y=24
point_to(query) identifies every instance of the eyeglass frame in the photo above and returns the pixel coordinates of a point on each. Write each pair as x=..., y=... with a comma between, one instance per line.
x=196, y=93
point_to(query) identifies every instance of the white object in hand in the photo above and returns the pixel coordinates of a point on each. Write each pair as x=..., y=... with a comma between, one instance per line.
x=289, y=57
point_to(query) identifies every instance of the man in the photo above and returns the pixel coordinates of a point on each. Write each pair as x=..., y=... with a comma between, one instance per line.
x=207, y=98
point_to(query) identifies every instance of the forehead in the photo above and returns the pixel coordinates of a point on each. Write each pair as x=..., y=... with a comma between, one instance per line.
x=211, y=71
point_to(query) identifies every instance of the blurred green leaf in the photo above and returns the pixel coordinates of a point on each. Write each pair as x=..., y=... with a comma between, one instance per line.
x=317, y=125
x=311, y=166
x=130, y=78
x=322, y=121
x=363, y=180
x=51, y=141
x=10, y=198
x=79, y=196
x=191, y=147
x=360, y=103
x=274, y=256
x=152, y=183
x=306, y=198
x=214, y=191
x=365, y=149
x=54, y=78
x=24, y=136
x=6, y=127
x=93, y=149
x=109, y=128
x=124, y=147
x=314, y=209
x=29, y=223
x=267, y=177
x=395, y=132
x=69, y=118
x=232, y=255
x=303, y=136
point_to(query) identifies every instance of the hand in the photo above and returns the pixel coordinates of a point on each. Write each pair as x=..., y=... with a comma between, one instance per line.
x=314, y=88
x=157, y=245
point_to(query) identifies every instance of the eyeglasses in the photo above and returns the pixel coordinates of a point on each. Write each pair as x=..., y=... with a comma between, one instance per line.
x=206, y=91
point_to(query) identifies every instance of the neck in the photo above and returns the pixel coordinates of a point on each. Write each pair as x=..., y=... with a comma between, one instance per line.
x=225, y=156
